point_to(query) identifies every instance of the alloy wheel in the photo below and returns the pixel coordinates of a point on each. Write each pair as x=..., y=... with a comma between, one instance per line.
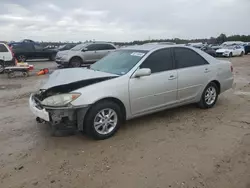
x=105, y=121
x=210, y=95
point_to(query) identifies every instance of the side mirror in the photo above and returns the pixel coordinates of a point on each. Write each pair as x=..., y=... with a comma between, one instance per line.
x=142, y=72
x=84, y=49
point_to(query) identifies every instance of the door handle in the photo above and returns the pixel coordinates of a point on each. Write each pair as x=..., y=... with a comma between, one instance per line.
x=207, y=70
x=172, y=77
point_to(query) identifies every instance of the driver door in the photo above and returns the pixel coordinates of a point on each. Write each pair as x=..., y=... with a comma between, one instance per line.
x=158, y=90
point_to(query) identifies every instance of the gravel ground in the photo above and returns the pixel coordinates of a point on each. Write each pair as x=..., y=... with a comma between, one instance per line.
x=180, y=148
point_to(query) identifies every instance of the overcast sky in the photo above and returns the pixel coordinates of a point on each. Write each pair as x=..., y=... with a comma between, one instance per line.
x=121, y=20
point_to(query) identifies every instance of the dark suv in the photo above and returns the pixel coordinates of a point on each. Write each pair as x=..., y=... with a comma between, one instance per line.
x=31, y=50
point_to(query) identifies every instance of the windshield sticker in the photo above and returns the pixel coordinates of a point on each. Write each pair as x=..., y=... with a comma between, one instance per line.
x=139, y=54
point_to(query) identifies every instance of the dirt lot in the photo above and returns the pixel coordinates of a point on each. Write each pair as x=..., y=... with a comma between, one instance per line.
x=179, y=148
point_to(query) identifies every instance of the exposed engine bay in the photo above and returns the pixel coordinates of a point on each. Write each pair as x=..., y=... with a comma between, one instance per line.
x=66, y=88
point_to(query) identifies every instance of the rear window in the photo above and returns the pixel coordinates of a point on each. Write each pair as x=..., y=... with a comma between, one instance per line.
x=3, y=48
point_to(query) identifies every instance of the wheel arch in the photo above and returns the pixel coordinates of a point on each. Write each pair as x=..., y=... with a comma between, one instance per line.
x=217, y=84
x=76, y=56
x=113, y=99
x=118, y=102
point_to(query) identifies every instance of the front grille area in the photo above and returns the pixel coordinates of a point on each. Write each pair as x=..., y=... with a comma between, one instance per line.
x=219, y=54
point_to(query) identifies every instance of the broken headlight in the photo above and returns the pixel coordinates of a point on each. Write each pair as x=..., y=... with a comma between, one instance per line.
x=60, y=100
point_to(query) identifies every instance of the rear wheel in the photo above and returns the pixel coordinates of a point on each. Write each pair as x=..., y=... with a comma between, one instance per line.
x=21, y=58
x=52, y=57
x=103, y=120
x=242, y=53
x=1, y=67
x=75, y=62
x=209, y=96
x=231, y=54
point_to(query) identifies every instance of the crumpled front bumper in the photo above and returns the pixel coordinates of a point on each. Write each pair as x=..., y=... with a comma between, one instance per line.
x=71, y=117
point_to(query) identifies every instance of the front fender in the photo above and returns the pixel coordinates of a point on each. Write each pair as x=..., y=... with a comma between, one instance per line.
x=115, y=88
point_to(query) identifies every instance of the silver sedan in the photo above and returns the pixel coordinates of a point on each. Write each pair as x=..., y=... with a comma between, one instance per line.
x=129, y=83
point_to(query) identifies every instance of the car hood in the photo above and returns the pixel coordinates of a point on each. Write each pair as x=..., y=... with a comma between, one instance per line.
x=64, y=52
x=74, y=75
x=222, y=50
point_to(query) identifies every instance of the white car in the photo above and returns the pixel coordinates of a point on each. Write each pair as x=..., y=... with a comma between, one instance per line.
x=129, y=83
x=232, y=43
x=230, y=51
x=6, y=57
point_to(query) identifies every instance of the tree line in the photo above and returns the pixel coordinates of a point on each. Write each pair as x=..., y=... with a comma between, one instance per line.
x=212, y=40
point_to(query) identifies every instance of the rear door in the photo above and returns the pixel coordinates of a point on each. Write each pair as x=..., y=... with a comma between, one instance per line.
x=158, y=90
x=5, y=53
x=193, y=71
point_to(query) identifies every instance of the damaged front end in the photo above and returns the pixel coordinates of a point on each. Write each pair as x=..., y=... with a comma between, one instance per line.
x=53, y=105
x=59, y=117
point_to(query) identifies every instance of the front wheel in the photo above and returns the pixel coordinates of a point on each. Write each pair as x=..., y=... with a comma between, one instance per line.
x=231, y=54
x=1, y=67
x=75, y=62
x=52, y=57
x=21, y=58
x=242, y=53
x=209, y=96
x=103, y=120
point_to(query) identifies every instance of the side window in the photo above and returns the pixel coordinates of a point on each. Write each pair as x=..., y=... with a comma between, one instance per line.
x=92, y=47
x=3, y=48
x=102, y=47
x=185, y=57
x=159, y=61
x=109, y=47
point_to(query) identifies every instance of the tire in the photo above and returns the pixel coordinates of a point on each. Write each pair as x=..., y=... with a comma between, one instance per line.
x=11, y=74
x=242, y=53
x=75, y=62
x=231, y=54
x=1, y=67
x=204, y=102
x=21, y=58
x=99, y=132
x=25, y=74
x=52, y=57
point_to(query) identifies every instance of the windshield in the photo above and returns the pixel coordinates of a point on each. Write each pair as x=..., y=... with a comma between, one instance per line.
x=78, y=47
x=61, y=47
x=119, y=62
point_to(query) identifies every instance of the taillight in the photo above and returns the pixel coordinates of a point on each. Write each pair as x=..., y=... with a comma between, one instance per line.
x=10, y=48
x=232, y=69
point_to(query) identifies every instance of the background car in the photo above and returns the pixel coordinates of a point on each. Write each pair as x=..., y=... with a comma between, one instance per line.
x=232, y=43
x=247, y=48
x=209, y=50
x=6, y=57
x=30, y=50
x=86, y=53
x=129, y=83
x=230, y=51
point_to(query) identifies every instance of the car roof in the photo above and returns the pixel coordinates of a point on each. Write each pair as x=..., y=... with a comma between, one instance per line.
x=97, y=42
x=150, y=47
